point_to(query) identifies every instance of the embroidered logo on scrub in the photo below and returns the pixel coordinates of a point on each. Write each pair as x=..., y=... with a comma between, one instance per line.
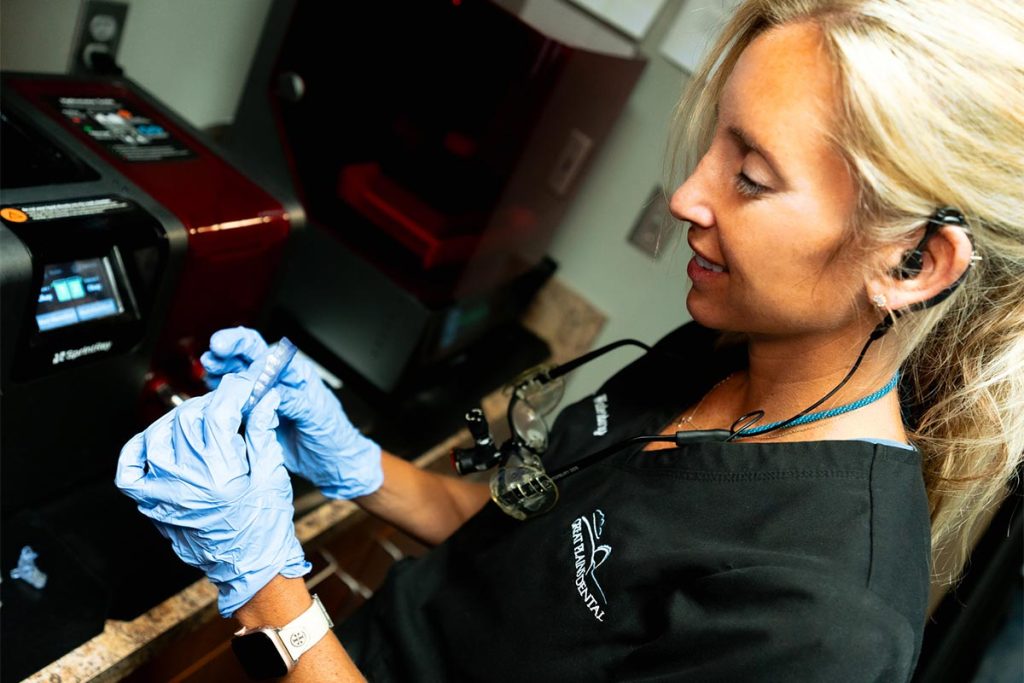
x=601, y=413
x=588, y=556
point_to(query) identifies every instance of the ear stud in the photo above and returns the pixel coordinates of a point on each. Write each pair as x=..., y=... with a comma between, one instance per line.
x=879, y=300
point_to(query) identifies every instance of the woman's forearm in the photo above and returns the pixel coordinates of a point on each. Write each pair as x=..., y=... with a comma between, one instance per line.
x=277, y=604
x=425, y=505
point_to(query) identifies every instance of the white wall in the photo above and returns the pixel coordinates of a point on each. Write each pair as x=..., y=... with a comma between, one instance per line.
x=35, y=35
x=643, y=298
x=195, y=54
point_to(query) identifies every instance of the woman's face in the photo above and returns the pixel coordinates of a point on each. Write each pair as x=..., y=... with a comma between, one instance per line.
x=770, y=200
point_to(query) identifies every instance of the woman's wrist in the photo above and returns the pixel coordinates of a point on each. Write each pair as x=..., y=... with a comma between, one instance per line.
x=276, y=604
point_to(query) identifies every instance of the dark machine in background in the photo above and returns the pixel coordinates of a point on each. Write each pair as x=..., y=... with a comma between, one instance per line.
x=125, y=240
x=436, y=146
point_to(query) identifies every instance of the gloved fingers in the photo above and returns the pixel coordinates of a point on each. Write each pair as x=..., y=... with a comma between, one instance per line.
x=287, y=438
x=208, y=462
x=131, y=468
x=208, y=432
x=306, y=404
x=238, y=341
x=217, y=366
x=148, y=471
x=300, y=372
x=263, y=417
x=295, y=404
x=157, y=444
x=231, y=350
x=265, y=454
x=223, y=414
x=188, y=435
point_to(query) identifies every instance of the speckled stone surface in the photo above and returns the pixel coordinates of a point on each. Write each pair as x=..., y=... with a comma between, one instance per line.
x=560, y=316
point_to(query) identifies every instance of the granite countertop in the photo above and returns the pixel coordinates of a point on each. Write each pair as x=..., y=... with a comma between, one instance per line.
x=558, y=315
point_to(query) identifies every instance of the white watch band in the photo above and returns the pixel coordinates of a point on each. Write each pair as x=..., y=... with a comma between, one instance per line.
x=305, y=630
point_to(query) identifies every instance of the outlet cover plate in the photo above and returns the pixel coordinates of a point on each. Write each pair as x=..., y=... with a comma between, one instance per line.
x=100, y=27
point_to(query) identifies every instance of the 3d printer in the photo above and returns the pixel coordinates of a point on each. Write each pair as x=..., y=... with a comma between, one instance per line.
x=436, y=146
x=126, y=240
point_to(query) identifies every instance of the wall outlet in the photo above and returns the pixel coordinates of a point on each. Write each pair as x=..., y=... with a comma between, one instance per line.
x=570, y=161
x=651, y=232
x=100, y=27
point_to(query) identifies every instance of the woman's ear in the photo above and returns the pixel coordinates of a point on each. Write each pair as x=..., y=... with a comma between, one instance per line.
x=946, y=255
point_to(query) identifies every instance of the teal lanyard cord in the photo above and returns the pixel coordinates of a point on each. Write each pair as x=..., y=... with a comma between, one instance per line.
x=831, y=412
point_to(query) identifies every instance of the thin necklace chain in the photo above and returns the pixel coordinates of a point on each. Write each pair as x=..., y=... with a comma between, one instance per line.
x=693, y=413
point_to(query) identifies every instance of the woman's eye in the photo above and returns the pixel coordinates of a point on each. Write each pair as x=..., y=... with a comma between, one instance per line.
x=748, y=187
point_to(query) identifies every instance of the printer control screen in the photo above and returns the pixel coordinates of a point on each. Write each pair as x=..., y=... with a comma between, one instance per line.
x=77, y=292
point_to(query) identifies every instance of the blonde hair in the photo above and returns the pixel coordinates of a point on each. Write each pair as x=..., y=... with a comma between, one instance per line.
x=931, y=115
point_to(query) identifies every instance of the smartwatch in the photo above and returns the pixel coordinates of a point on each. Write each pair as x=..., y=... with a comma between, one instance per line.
x=269, y=652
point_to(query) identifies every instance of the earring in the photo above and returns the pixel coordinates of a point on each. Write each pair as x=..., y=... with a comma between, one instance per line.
x=879, y=301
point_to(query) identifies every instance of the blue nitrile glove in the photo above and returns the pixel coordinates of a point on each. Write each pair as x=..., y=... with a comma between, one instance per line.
x=224, y=503
x=319, y=442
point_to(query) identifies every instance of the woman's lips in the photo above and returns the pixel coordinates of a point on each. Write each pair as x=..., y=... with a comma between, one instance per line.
x=703, y=261
x=701, y=274
x=709, y=265
x=703, y=269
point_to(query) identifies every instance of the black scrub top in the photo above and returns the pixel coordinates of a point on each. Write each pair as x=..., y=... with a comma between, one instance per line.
x=804, y=561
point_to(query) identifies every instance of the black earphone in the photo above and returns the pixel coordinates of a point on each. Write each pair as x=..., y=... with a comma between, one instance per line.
x=913, y=261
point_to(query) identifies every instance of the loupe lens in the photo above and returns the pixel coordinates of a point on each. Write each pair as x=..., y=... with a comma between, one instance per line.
x=543, y=397
x=522, y=491
x=530, y=426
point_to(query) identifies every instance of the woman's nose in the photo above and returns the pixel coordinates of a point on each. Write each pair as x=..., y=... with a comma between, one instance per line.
x=691, y=202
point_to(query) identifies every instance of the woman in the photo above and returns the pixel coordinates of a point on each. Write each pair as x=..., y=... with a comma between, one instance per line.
x=859, y=168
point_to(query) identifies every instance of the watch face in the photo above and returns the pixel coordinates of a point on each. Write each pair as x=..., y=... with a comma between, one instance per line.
x=259, y=655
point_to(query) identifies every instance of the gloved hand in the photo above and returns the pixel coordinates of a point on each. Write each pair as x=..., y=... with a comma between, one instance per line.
x=224, y=503
x=318, y=440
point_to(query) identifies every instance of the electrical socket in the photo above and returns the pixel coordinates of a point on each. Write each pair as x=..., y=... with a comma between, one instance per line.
x=99, y=31
x=652, y=232
x=570, y=161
